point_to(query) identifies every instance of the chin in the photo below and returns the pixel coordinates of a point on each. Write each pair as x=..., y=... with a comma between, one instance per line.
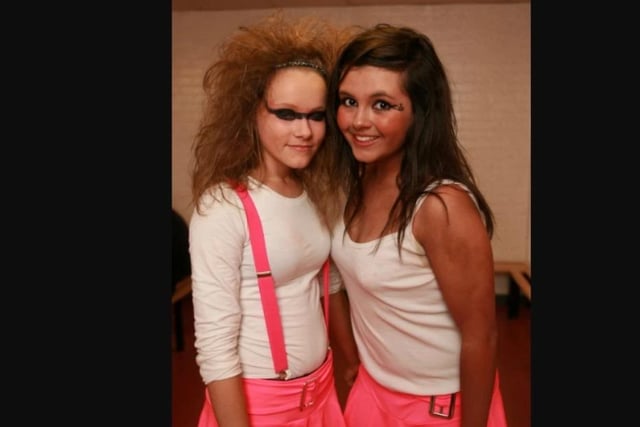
x=364, y=157
x=299, y=164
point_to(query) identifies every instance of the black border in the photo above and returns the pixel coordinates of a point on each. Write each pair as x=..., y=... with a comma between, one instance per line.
x=90, y=332
x=583, y=246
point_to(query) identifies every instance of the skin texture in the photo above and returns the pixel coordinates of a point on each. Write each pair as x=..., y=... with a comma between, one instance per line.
x=393, y=149
x=227, y=396
x=341, y=336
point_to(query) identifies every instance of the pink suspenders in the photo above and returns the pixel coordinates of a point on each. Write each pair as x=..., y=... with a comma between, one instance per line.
x=266, y=285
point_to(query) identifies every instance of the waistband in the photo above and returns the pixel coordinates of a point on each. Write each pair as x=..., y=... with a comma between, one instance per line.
x=394, y=402
x=297, y=395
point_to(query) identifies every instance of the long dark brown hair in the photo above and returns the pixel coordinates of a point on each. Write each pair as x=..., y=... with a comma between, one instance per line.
x=432, y=152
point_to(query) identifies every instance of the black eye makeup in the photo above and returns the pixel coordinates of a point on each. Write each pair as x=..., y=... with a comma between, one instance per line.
x=379, y=105
x=289, y=114
x=384, y=105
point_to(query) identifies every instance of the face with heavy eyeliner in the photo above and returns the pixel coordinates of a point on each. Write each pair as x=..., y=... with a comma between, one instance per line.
x=289, y=114
x=291, y=120
x=374, y=113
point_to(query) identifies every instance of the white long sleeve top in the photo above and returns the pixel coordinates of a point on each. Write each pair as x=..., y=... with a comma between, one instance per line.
x=230, y=330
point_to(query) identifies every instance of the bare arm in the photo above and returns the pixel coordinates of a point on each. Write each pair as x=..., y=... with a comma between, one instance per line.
x=460, y=254
x=229, y=403
x=341, y=335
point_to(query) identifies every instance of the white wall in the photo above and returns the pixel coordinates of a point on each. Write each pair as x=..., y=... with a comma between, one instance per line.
x=486, y=50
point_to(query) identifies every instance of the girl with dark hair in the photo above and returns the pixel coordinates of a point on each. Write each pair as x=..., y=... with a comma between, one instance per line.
x=413, y=243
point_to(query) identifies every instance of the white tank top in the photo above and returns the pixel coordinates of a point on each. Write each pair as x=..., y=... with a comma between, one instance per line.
x=406, y=337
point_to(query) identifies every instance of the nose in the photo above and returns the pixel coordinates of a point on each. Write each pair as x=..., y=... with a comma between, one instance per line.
x=361, y=118
x=302, y=128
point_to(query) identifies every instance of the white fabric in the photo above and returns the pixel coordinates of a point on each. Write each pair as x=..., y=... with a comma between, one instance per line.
x=230, y=331
x=406, y=338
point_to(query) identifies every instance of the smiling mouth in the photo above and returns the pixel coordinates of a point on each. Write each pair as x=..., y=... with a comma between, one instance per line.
x=363, y=140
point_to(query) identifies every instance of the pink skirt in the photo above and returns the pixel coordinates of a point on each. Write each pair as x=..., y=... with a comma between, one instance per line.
x=309, y=401
x=372, y=405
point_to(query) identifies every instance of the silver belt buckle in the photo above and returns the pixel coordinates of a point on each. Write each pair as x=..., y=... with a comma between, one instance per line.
x=440, y=413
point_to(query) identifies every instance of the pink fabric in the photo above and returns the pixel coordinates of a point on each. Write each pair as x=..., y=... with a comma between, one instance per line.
x=265, y=282
x=371, y=405
x=309, y=401
x=274, y=403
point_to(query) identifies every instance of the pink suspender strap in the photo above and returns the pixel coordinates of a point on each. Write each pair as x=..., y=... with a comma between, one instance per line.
x=265, y=282
x=266, y=285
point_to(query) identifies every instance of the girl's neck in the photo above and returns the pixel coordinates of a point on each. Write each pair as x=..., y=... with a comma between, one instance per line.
x=381, y=173
x=286, y=184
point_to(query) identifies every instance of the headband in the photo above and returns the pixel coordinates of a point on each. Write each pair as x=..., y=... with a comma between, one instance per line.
x=303, y=63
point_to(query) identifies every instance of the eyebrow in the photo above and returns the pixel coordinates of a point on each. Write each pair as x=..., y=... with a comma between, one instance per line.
x=373, y=95
x=379, y=94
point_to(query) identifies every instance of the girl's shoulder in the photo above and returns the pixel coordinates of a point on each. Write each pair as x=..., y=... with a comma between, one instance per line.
x=443, y=186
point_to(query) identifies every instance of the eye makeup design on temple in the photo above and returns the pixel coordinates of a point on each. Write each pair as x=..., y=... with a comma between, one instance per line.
x=289, y=114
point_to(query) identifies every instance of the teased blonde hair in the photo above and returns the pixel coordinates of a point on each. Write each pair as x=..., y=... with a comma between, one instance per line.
x=227, y=146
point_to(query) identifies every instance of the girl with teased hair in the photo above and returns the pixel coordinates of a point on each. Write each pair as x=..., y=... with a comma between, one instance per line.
x=263, y=132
